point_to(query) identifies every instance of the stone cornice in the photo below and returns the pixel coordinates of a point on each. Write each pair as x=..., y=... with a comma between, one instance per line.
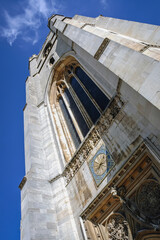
x=146, y=46
x=50, y=18
x=88, y=24
x=33, y=56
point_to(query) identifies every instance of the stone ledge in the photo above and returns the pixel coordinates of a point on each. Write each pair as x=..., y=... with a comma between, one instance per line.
x=40, y=104
x=55, y=178
x=21, y=185
x=25, y=106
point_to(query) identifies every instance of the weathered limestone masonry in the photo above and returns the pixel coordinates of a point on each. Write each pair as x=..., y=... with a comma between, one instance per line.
x=108, y=186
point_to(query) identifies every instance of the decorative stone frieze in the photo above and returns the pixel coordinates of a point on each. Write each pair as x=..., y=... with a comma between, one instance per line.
x=93, y=138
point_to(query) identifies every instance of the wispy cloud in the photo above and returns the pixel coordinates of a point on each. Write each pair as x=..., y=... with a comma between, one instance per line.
x=27, y=23
x=104, y=3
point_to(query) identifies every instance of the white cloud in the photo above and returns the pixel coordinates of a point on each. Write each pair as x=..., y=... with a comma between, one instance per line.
x=27, y=23
x=104, y=3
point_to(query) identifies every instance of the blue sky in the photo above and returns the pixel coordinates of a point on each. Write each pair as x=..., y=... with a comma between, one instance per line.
x=23, y=28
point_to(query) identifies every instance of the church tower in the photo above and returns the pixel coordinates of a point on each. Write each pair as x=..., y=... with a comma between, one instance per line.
x=92, y=132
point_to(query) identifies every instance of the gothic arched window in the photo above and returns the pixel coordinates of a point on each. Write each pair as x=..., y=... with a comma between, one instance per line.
x=80, y=102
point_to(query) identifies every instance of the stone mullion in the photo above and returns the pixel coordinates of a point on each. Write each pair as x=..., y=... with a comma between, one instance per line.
x=80, y=107
x=65, y=130
x=63, y=143
x=88, y=94
x=73, y=118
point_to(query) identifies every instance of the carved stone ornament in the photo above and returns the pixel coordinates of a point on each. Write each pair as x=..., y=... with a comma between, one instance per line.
x=121, y=191
x=117, y=228
x=93, y=138
x=148, y=199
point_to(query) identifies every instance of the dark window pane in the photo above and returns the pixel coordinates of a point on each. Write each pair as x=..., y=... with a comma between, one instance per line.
x=69, y=123
x=78, y=116
x=92, y=88
x=85, y=100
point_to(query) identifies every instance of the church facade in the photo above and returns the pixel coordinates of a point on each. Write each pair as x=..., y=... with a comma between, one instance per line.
x=92, y=132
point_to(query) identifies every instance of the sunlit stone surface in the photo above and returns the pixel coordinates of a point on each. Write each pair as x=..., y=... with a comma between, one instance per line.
x=106, y=186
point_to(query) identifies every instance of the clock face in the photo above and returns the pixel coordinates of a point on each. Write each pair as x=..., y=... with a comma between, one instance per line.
x=100, y=164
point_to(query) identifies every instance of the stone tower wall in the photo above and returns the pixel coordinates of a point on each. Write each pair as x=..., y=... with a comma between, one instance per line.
x=123, y=59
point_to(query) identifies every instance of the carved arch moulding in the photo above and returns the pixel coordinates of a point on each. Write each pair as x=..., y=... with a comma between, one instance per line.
x=59, y=75
x=60, y=79
x=75, y=156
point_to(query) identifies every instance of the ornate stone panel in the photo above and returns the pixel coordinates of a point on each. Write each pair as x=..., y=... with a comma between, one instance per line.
x=148, y=198
x=117, y=228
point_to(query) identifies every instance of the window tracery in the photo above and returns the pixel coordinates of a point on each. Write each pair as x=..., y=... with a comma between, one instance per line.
x=80, y=101
x=148, y=199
